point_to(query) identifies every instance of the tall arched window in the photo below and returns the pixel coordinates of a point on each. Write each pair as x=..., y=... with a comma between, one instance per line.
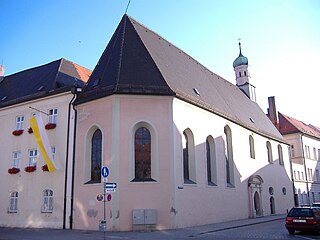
x=251, y=144
x=269, y=150
x=280, y=155
x=211, y=161
x=189, y=165
x=96, y=156
x=142, y=157
x=229, y=157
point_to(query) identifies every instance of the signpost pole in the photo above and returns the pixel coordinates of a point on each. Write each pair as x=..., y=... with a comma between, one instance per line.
x=104, y=209
x=104, y=174
x=104, y=201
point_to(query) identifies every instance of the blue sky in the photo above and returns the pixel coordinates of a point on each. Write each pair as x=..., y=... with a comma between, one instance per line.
x=281, y=39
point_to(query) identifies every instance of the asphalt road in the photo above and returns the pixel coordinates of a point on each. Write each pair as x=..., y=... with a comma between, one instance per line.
x=267, y=230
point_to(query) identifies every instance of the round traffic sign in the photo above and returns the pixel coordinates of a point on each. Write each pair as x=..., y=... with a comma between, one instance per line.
x=104, y=172
x=109, y=197
x=99, y=197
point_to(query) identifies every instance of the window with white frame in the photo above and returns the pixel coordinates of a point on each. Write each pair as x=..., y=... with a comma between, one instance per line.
x=33, y=156
x=318, y=154
x=13, y=202
x=314, y=153
x=53, y=115
x=16, y=159
x=310, y=174
x=317, y=175
x=47, y=201
x=307, y=151
x=53, y=151
x=19, y=122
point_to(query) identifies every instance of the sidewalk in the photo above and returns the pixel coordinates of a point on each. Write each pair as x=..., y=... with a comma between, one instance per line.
x=184, y=233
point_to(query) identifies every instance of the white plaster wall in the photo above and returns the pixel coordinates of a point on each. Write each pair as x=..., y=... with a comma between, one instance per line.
x=31, y=185
x=201, y=204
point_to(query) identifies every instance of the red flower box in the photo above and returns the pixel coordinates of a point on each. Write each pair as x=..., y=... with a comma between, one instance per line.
x=30, y=168
x=30, y=130
x=50, y=126
x=17, y=132
x=45, y=168
x=13, y=170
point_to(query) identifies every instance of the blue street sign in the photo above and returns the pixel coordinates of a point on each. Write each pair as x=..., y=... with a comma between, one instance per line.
x=110, y=185
x=104, y=172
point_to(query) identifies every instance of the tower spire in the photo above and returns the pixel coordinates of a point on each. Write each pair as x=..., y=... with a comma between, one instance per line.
x=240, y=66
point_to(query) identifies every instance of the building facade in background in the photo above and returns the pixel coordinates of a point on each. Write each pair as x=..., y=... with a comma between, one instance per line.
x=31, y=196
x=184, y=146
x=304, y=142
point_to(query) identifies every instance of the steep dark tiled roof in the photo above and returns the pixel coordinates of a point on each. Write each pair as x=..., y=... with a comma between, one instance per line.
x=56, y=76
x=289, y=125
x=139, y=61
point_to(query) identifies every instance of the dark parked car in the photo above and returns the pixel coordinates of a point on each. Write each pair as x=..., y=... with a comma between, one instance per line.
x=303, y=219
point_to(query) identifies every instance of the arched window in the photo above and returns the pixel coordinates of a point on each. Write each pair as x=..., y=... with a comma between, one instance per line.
x=229, y=157
x=251, y=144
x=269, y=149
x=189, y=167
x=13, y=202
x=280, y=155
x=96, y=156
x=211, y=161
x=142, y=156
x=47, y=201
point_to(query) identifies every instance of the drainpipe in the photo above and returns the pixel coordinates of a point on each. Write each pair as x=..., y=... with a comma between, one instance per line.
x=305, y=169
x=77, y=90
x=67, y=162
x=292, y=178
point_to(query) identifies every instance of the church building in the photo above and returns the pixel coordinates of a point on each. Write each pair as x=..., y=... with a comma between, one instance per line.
x=183, y=146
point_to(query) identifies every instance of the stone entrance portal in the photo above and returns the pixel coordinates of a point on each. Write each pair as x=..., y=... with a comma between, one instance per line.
x=255, y=188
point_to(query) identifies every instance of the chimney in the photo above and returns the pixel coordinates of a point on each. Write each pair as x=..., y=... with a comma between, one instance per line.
x=1, y=73
x=272, y=112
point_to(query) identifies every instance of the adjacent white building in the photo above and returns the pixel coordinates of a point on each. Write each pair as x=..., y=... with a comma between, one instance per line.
x=304, y=140
x=30, y=195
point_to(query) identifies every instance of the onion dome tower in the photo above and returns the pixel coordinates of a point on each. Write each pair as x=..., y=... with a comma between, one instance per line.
x=240, y=66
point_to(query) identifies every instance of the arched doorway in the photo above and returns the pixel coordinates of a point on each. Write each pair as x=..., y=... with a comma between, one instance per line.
x=255, y=202
x=272, y=206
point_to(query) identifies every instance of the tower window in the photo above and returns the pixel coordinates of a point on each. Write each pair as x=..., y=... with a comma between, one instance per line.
x=245, y=73
x=239, y=74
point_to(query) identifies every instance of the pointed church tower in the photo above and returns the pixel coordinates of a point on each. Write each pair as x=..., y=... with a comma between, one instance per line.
x=240, y=66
